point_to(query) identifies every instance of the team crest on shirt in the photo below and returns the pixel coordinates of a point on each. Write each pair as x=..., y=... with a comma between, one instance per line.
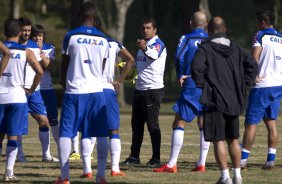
x=158, y=47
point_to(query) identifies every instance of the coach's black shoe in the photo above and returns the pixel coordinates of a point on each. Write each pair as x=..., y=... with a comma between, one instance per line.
x=154, y=163
x=131, y=160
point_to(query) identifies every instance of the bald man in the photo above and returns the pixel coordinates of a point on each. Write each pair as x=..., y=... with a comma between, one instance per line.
x=224, y=71
x=188, y=106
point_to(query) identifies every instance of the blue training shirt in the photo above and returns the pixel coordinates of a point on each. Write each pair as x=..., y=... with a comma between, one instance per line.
x=186, y=50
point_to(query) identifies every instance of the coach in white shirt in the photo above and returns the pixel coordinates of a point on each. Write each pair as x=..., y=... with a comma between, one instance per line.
x=149, y=91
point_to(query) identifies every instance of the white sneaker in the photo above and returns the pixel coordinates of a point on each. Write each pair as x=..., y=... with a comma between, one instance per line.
x=224, y=181
x=51, y=159
x=237, y=180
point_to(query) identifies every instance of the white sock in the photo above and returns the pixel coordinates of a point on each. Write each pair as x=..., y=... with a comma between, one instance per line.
x=93, y=141
x=204, y=149
x=11, y=153
x=86, y=150
x=102, y=154
x=64, y=153
x=55, y=132
x=115, y=150
x=44, y=137
x=225, y=174
x=176, y=144
x=20, y=147
x=75, y=143
x=237, y=172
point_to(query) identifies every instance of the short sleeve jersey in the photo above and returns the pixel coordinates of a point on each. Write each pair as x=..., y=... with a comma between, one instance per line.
x=29, y=73
x=109, y=68
x=12, y=80
x=46, y=81
x=151, y=65
x=270, y=61
x=88, y=49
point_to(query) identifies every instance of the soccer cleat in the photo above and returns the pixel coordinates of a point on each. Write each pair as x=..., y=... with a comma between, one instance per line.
x=243, y=166
x=131, y=160
x=237, y=180
x=119, y=173
x=154, y=163
x=11, y=179
x=268, y=166
x=59, y=181
x=22, y=159
x=224, y=181
x=101, y=180
x=87, y=175
x=51, y=159
x=199, y=168
x=74, y=156
x=165, y=168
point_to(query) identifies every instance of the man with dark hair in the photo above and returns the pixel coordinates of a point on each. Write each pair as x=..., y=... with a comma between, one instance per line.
x=224, y=71
x=264, y=99
x=188, y=106
x=85, y=50
x=13, y=102
x=35, y=102
x=149, y=91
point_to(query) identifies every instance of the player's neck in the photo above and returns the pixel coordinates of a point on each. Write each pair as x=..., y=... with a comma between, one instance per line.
x=88, y=23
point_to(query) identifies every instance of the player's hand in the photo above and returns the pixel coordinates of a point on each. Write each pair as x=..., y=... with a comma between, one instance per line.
x=259, y=79
x=182, y=79
x=116, y=85
x=141, y=44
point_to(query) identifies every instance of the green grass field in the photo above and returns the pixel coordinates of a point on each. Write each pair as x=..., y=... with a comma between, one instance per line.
x=36, y=172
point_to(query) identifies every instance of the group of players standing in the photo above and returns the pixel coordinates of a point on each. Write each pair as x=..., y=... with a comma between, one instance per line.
x=90, y=105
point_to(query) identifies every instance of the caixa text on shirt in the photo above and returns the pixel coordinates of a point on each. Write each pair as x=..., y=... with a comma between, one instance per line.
x=90, y=41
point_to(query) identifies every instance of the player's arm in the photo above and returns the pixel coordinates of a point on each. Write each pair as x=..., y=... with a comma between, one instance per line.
x=153, y=52
x=31, y=59
x=64, y=68
x=256, y=53
x=182, y=48
x=5, y=57
x=126, y=56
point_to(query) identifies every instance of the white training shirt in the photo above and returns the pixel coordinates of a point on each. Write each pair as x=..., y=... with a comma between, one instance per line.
x=270, y=61
x=30, y=73
x=87, y=48
x=46, y=80
x=12, y=80
x=109, y=69
x=151, y=65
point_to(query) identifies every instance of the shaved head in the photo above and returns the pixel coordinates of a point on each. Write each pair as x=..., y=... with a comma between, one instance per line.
x=199, y=19
x=216, y=25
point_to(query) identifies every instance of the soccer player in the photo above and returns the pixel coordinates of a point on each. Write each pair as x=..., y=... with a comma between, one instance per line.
x=148, y=93
x=85, y=51
x=188, y=106
x=264, y=98
x=13, y=101
x=35, y=102
x=47, y=53
x=224, y=71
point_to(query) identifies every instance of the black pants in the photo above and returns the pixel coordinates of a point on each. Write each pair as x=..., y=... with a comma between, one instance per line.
x=145, y=108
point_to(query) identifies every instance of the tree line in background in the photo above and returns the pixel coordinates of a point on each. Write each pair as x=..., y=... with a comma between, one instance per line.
x=120, y=19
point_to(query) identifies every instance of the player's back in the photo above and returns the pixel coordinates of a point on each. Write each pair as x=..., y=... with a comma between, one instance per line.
x=87, y=47
x=270, y=62
x=12, y=80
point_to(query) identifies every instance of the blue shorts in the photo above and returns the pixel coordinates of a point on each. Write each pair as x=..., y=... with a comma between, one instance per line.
x=263, y=103
x=36, y=104
x=86, y=113
x=50, y=102
x=13, y=118
x=188, y=105
x=112, y=109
